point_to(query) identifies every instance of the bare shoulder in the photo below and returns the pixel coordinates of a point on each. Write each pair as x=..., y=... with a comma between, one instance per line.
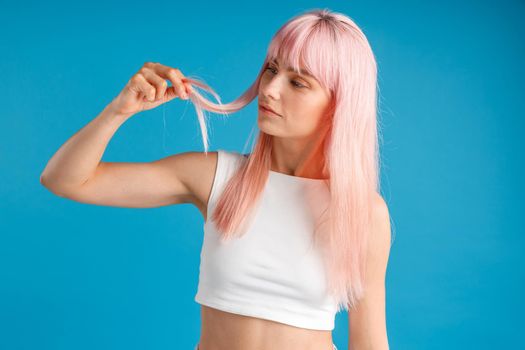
x=380, y=234
x=380, y=213
x=196, y=171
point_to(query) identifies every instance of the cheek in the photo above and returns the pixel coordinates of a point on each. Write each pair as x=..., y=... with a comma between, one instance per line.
x=305, y=120
x=309, y=107
x=307, y=114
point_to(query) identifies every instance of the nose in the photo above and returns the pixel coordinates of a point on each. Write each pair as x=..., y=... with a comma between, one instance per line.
x=270, y=88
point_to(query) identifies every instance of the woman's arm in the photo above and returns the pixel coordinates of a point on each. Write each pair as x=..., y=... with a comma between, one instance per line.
x=75, y=171
x=367, y=323
x=76, y=160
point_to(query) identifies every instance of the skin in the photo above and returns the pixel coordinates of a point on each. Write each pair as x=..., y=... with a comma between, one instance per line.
x=301, y=103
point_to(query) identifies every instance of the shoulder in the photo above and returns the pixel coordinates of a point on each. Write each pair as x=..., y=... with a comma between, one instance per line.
x=196, y=163
x=195, y=170
x=380, y=212
x=202, y=169
x=202, y=164
x=188, y=165
x=380, y=235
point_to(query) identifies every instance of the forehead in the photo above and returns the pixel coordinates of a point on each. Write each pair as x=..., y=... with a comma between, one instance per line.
x=304, y=72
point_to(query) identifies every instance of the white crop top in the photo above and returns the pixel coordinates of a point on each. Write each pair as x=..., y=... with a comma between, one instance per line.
x=272, y=271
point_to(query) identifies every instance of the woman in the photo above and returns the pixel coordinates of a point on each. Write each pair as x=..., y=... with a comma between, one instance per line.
x=297, y=229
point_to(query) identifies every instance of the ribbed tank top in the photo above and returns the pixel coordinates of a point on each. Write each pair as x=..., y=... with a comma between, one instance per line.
x=273, y=271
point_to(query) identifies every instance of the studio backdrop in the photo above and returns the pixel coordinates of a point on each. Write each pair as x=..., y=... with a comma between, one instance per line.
x=451, y=118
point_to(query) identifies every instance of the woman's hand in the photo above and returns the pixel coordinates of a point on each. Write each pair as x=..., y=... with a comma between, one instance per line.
x=148, y=89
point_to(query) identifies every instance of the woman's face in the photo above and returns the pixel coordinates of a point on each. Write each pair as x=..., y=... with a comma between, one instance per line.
x=299, y=100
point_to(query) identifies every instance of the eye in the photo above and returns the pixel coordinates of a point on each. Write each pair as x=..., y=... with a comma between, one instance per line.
x=270, y=68
x=294, y=82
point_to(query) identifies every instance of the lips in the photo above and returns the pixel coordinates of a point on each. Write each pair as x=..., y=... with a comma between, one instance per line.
x=269, y=109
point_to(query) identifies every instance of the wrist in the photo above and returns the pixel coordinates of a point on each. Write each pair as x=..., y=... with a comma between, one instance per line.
x=112, y=115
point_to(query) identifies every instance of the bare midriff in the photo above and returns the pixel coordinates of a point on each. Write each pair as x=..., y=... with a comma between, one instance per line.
x=222, y=330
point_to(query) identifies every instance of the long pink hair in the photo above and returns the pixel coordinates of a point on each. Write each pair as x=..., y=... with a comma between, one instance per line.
x=331, y=47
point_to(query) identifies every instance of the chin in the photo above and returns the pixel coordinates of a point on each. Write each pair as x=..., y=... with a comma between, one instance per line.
x=266, y=127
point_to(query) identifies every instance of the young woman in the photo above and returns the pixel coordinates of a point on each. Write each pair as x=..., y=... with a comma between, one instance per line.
x=296, y=230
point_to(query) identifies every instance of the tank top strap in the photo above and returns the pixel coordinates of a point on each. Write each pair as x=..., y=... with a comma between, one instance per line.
x=227, y=164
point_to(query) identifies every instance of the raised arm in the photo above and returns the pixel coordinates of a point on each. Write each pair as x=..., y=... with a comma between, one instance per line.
x=76, y=171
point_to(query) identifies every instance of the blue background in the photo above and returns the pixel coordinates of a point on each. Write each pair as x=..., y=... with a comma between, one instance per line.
x=78, y=276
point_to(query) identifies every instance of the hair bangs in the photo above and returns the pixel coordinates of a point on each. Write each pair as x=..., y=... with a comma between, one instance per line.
x=310, y=50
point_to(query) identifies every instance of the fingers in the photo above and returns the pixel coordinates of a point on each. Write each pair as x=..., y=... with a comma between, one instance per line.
x=156, y=72
x=159, y=84
x=139, y=82
x=189, y=90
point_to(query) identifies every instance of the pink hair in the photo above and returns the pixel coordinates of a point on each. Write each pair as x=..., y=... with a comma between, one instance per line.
x=332, y=48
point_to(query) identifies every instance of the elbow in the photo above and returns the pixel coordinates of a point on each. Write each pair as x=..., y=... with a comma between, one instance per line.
x=42, y=180
x=49, y=184
x=45, y=181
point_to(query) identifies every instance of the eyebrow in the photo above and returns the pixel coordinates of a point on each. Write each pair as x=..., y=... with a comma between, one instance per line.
x=290, y=69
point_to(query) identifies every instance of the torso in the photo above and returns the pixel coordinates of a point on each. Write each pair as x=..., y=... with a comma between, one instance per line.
x=228, y=331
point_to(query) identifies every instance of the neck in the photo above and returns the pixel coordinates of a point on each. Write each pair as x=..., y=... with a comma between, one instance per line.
x=299, y=157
